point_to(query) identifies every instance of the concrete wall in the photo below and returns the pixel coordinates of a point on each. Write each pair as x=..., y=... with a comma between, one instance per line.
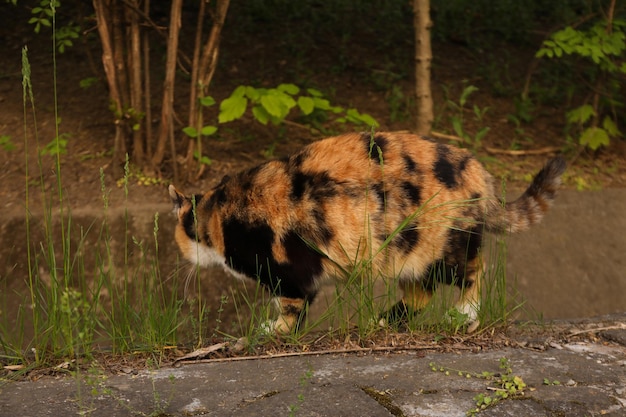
x=571, y=265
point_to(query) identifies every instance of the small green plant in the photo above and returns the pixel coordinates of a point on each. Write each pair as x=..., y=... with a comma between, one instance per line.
x=548, y=381
x=43, y=15
x=274, y=105
x=504, y=384
x=6, y=143
x=97, y=383
x=458, y=118
x=138, y=177
x=600, y=46
x=87, y=82
x=58, y=146
x=399, y=104
x=304, y=381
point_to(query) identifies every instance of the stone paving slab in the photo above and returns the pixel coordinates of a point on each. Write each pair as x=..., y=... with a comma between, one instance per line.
x=592, y=382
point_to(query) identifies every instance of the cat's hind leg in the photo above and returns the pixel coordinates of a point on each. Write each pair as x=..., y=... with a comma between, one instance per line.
x=469, y=300
x=414, y=299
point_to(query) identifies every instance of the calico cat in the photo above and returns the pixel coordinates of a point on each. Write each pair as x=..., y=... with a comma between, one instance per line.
x=420, y=207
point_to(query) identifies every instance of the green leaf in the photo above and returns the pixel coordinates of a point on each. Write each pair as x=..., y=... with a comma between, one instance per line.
x=321, y=103
x=273, y=105
x=239, y=91
x=6, y=143
x=202, y=159
x=611, y=128
x=289, y=89
x=208, y=130
x=190, y=131
x=277, y=103
x=457, y=127
x=233, y=107
x=207, y=101
x=260, y=114
x=315, y=93
x=466, y=93
x=306, y=104
x=580, y=114
x=594, y=137
x=354, y=116
x=481, y=134
x=253, y=93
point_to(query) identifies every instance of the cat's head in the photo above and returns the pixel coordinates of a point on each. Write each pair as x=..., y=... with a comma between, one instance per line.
x=191, y=233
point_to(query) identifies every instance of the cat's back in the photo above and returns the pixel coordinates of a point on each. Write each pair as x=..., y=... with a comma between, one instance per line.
x=387, y=174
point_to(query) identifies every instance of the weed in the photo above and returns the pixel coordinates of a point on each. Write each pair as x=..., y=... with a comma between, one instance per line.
x=96, y=381
x=304, y=381
x=504, y=384
x=273, y=105
x=548, y=381
x=6, y=143
x=458, y=119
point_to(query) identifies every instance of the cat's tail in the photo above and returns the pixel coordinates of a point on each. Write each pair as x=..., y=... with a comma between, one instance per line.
x=529, y=208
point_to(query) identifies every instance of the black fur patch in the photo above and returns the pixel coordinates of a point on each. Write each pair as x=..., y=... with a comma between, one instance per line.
x=219, y=197
x=444, y=170
x=319, y=186
x=189, y=224
x=463, y=248
x=247, y=246
x=322, y=231
x=441, y=272
x=248, y=249
x=375, y=147
x=380, y=194
x=406, y=239
x=305, y=264
x=296, y=160
x=413, y=192
x=292, y=310
x=464, y=245
x=410, y=164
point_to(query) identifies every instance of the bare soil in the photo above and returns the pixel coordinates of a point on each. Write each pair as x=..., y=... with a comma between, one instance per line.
x=256, y=59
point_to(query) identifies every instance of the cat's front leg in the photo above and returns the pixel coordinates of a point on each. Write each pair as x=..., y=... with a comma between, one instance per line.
x=291, y=312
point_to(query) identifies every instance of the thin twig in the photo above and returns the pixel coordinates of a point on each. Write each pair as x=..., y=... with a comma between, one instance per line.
x=316, y=352
x=620, y=326
x=541, y=151
x=445, y=136
x=301, y=126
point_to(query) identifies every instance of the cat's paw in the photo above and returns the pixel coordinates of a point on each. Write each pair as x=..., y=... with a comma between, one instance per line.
x=267, y=328
x=398, y=315
x=276, y=327
x=463, y=317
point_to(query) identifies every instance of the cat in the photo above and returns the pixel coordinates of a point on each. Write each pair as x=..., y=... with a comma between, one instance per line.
x=418, y=206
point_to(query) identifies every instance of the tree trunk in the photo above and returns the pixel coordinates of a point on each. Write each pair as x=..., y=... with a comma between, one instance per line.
x=136, y=91
x=103, y=8
x=202, y=74
x=423, y=58
x=167, y=109
x=146, y=82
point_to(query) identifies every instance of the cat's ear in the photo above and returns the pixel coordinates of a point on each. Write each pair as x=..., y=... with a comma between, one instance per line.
x=177, y=197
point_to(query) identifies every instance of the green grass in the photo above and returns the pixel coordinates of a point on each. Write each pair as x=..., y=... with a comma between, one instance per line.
x=95, y=287
x=85, y=291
